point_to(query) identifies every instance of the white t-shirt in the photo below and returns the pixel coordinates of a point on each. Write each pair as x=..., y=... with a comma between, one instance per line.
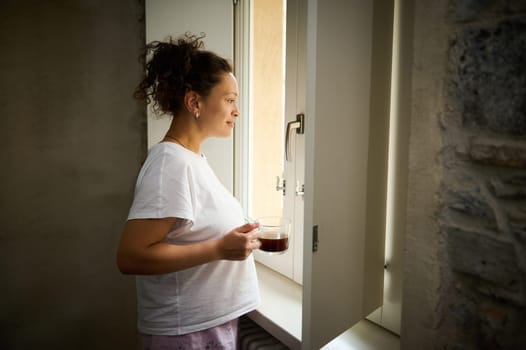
x=175, y=182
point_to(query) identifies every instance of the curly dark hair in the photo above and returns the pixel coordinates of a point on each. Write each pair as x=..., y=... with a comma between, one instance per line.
x=175, y=67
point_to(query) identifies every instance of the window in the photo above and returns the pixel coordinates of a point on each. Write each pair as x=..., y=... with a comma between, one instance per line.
x=267, y=107
x=346, y=103
x=267, y=72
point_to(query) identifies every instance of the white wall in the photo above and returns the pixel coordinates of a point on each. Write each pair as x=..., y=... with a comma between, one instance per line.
x=215, y=19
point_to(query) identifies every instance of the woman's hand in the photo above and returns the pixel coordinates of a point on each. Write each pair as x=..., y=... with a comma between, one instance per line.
x=239, y=243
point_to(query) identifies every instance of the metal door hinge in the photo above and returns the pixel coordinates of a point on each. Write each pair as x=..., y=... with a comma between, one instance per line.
x=300, y=189
x=281, y=184
x=315, y=238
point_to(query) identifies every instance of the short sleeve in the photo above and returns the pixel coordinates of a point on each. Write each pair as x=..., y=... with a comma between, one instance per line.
x=163, y=189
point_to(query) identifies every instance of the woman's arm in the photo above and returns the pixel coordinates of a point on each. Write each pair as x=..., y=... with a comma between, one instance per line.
x=142, y=252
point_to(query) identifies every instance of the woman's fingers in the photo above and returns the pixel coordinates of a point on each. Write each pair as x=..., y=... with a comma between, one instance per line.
x=254, y=242
x=248, y=227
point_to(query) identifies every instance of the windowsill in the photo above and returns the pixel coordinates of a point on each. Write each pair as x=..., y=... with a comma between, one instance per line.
x=280, y=314
x=280, y=310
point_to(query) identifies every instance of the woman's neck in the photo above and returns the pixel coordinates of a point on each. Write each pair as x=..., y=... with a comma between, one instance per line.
x=184, y=131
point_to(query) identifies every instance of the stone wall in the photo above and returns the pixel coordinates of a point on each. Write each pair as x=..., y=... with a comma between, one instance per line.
x=478, y=219
x=483, y=194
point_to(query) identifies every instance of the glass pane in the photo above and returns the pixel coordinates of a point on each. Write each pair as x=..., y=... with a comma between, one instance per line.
x=267, y=109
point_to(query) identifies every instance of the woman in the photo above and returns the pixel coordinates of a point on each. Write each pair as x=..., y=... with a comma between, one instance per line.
x=185, y=237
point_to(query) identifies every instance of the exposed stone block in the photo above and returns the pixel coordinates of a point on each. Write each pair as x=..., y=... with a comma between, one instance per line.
x=514, y=293
x=501, y=325
x=488, y=77
x=472, y=205
x=509, y=187
x=481, y=321
x=465, y=10
x=472, y=10
x=514, y=6
x=498, y=155
x=464, y=202
x=487, y=258
x=518, y=227
x=517, y=223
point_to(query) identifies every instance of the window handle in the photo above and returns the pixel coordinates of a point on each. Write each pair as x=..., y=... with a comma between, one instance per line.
x=299, y=126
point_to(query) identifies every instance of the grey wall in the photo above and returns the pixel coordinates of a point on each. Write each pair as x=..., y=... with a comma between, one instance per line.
x=71, y=142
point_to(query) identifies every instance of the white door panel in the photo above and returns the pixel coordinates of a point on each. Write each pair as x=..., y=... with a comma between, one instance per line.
x=347, y=116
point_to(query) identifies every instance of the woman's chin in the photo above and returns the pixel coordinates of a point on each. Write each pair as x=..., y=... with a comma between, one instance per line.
x=228, y=132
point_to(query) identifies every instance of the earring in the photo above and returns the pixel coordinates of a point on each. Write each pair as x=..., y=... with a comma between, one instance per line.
x=196, y=116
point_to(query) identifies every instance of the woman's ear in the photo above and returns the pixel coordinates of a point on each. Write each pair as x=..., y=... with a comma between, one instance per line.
x=191, y=102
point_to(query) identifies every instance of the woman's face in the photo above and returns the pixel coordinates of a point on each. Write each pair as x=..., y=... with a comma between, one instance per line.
x=218, y=111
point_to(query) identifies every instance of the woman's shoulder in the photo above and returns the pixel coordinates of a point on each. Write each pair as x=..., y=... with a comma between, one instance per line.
x=169, y=154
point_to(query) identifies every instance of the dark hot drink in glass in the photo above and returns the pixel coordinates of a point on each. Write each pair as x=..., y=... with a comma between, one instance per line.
x=274, y=234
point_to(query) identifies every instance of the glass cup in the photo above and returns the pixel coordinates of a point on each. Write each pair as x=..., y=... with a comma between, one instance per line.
x=274, y=234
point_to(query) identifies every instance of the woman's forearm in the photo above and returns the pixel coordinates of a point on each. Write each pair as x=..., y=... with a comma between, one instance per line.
x=162, y=257
x=143, y=251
